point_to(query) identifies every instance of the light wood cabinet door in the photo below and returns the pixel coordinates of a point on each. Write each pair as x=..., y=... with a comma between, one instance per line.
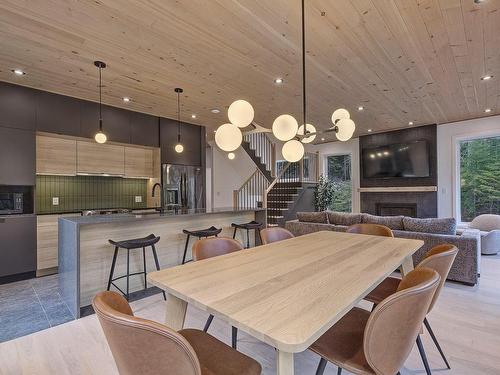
x=100, y=158
x=55, y=155
x=47, y=238
x=138, y=162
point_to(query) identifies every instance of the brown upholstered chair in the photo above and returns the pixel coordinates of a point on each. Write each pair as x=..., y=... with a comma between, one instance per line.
x=440, y=258
x=380, y=342
x=373, y=229
x=274, y=234
x=141, y=346
x=209, y=248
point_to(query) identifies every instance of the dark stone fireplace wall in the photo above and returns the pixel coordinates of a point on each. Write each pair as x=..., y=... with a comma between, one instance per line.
x=425, y=201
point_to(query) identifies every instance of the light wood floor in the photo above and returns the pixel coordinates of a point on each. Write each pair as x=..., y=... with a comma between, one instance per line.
x=466, y=321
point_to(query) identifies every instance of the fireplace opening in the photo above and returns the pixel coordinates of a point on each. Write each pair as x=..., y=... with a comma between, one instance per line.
x=396, y=209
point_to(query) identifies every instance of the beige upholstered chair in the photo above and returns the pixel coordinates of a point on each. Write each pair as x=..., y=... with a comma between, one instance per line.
x=373, y=229
x=141, y=346
x=440, y=258
x=209, y=248
x=274, y=234
x=489, y=227
x=380, y=342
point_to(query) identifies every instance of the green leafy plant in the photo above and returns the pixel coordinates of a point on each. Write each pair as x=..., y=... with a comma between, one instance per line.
x=323, y=194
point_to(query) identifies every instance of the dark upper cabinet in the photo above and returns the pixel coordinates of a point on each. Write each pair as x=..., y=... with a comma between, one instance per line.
x=191, y=139
x=17, y=157
x=58, y=114
x=17, y=106
x=144, y=129
x=116, y=122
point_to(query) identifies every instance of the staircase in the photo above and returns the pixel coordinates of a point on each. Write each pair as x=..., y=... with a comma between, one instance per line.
x=292, y=190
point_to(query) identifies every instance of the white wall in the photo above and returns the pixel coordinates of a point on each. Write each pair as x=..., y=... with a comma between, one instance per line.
x=350, y=147
x=228, y=175
x=448, y=136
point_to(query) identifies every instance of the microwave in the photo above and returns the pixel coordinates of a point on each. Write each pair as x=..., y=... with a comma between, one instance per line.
x=11, y=203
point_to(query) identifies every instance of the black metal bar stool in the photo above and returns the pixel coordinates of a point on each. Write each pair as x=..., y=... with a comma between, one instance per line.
x=248, y=226
x=133, y=244
x=202, y=233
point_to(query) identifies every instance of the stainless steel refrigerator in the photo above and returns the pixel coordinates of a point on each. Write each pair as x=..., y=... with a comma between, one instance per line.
x=182, y=187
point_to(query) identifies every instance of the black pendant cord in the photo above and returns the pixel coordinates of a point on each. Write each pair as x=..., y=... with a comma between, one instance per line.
x=178, y=118
x=304, y=101
x=100, y=99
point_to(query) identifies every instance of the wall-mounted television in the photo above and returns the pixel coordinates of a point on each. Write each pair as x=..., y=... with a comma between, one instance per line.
x=408, y=160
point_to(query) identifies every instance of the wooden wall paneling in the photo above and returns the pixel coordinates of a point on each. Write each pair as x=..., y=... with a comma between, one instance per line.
x=55, y=155
x=100, y=158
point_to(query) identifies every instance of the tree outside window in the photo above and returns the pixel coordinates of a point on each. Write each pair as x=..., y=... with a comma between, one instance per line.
x=479, y=177
x=338, y=170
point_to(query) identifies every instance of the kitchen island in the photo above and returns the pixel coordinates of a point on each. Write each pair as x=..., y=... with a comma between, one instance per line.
x=85, y=255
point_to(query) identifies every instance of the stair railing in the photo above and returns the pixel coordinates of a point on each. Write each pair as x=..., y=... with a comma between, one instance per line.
x=309, y=167
x=282, y=176
x=252, y=193
x=264, y=149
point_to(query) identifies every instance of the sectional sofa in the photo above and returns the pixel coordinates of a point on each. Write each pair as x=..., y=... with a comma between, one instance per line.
x=432, y=231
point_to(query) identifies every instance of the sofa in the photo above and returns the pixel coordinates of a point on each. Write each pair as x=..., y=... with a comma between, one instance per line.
x=432, y=231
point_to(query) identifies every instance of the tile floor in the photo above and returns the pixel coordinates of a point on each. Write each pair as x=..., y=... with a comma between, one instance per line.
x=29, y=306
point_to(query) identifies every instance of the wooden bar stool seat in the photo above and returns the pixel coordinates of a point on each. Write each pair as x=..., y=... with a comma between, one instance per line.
x=252, y=225
x=201, y=233
x=132, y=244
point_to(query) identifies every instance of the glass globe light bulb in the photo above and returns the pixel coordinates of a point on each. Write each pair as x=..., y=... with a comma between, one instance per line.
x=240, y=113
x=231, y=156
x=293, y=151
x=100, y=137
x=345, y=129
x=228, y=137
x=179, y=148
x=285, y=127
x=340, y=114
x=310, y=129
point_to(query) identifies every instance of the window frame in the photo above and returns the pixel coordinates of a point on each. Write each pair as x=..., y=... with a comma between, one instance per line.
x=354, y=188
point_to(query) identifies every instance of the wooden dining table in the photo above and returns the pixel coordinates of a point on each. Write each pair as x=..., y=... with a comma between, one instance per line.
x=288, y=293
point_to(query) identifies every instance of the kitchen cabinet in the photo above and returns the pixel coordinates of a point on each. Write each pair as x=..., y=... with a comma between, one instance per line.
x=58, y=114
x=138, y=162
x=18, y=250
x=17, y=157
x=55, y=155
x=17, y=106
x=144, y=129
x=94, y=158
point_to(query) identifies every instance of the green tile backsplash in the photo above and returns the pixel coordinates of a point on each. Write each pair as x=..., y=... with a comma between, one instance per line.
x=78, y=193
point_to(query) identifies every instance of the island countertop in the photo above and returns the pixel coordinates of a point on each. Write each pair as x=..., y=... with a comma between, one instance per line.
x=134, y=217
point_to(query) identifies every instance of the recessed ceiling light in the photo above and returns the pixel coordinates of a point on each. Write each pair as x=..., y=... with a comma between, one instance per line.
x=486, y=77
x=487, y=110
x=361, y=108
x=193, y=115
x=126, y=99
x=278, y=81
x=215, y=110
x=18, y=72
x=322, y=139
x=369, y=130
x=410, y=123
x=479, y=1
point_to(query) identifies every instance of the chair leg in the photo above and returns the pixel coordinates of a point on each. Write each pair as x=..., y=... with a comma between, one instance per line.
x=112, y=271
x=157, y=263
x=321, y=366
x=248, y=239
x=144, y=264
x=128, y=272
x=234, y=337
x=234, y=233
x=339, y=371
x=428, y=326
x=207, y=324
x=185, y=249
x=422, y=354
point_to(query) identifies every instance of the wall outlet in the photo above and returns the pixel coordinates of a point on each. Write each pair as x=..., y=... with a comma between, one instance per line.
x=55, y=201
x=138, y=199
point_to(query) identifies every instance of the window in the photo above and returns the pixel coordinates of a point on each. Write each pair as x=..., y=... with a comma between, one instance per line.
x=338, y=171
x=479, y=177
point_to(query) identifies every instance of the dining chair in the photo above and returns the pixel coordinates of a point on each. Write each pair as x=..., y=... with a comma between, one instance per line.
x=440, y=258
x=380, y=342
x=274, y=234
x=373, y=229
x=141, y=346
x=209, y=248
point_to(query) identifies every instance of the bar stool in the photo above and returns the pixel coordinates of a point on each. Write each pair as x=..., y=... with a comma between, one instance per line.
x=133, y=244
x=202, y=233
x=248, y=226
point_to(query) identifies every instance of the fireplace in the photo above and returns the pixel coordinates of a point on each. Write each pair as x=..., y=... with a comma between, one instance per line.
x=396, y=209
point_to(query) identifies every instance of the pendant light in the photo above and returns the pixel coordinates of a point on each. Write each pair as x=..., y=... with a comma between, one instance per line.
x=100, y=137
x=179, y=147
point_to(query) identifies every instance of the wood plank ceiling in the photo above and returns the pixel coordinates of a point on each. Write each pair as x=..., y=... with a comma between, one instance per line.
x=402, y=60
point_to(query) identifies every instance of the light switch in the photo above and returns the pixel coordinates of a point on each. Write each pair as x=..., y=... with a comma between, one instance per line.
x=138, y=199
x=55, y=201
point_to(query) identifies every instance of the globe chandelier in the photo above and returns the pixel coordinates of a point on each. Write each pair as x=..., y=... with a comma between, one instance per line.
x=285, y=127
